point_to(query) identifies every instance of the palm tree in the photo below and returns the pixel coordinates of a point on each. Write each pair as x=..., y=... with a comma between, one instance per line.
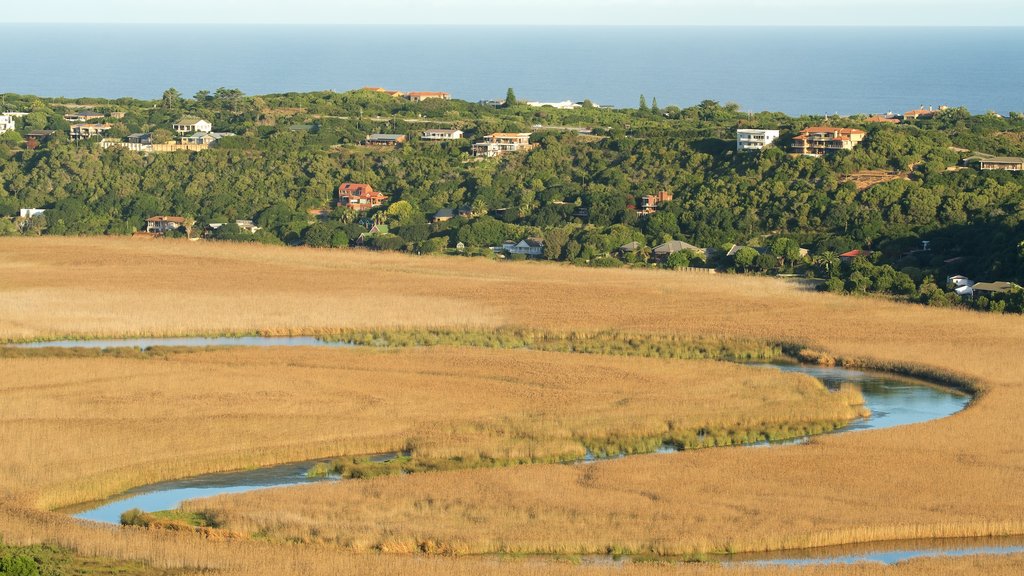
x=828, y=261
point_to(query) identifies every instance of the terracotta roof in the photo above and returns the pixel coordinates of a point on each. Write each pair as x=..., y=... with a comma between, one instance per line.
x=351, y=190
x=175, y=219
x=855, y=253
x=831, y=130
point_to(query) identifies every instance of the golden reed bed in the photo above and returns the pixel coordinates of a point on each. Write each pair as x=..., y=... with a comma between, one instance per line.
x=85, y=428
x=958, y=476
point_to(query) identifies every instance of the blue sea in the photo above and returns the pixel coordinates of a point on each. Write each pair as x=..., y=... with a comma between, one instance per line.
x=807, y=70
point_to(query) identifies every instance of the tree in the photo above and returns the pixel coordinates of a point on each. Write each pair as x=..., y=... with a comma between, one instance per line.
x=643, y=104
x=510, y=98
x=171, y=99
x=161, y=136
x=554, y=243
x=680, y=259
x=654, y=107
x=319, y=235
x=745, y=257
x=827, y=263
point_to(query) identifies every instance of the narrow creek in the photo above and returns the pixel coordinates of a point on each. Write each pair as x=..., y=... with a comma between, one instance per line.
x=893, y=401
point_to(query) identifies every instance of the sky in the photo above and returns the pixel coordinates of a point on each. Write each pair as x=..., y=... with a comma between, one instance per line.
x=526, y=12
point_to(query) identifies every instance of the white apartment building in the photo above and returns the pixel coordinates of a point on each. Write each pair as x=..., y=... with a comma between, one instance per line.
x=748, y=139
x=6, y=123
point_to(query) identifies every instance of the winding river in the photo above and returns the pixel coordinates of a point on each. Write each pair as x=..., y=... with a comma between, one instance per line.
x=893, y=401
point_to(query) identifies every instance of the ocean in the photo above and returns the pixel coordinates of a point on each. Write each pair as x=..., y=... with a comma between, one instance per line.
x=808, y=70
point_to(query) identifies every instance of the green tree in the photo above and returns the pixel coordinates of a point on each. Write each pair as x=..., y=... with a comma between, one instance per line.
x=654, y=107
x=554, y=243
x=319, y=235
x=745, y=257
x=643, y=104
x=510, y=98
x=171, y=99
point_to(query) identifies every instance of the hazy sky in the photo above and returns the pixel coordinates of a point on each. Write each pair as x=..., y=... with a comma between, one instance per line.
x=541, y=12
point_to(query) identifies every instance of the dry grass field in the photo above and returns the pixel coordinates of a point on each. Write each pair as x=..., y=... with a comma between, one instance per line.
x=957, y=476
x=136, y=420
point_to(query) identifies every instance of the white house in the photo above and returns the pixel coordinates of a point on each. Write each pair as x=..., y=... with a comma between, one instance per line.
x=6, y=123
x=748, y=139
x=530, y=247
x=190, y=125
x=30, y=212
x=442, y=134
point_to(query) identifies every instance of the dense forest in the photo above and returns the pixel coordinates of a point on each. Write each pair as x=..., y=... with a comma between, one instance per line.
x=578, y=190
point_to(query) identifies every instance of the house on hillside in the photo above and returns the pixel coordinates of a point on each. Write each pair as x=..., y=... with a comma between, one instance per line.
x=191, y=124
x=922, y=113
x=359, y=197
x=753, y=140
x=529, y=247
x=991, y=288
x=441, y=134
x=849, y=256
x=374, y=231
x=387, y=140
x=652, y=202
x=163, y=224
x=502, y=143
x=669, y=248
x=84, y=116
x=564, y=105
x=820, y=140
x=628, y=248
x=30, y=212
x=392, y=93
x=442, y=215
x=987, y=162
x=144, y=138
x=243, y=225
x=204, y=139
x=421, y=96
x=6, y=123
x=79, y=132
x=39, y=136
x=888, y=118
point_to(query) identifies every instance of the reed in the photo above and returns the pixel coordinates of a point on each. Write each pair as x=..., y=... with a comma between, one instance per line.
x=958, y=476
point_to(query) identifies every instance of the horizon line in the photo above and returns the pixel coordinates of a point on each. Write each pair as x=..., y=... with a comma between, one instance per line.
x=514, y=25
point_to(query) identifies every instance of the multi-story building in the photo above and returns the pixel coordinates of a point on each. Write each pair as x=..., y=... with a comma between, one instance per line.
x=649, y=203
x=502, y=143
x=749, y=139
x=86, y=131
x=6, y=123
x=163, y=224
x=359, y=197
x=821, y=140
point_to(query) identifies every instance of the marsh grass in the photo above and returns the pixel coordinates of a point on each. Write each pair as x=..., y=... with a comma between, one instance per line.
x=956, y=477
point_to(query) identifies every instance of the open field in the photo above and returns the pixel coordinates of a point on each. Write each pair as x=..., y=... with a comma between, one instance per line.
x=958, y=476
x=136, y=420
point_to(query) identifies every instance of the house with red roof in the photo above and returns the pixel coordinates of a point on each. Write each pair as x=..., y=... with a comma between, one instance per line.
x=359, y=197
x=848, y=256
